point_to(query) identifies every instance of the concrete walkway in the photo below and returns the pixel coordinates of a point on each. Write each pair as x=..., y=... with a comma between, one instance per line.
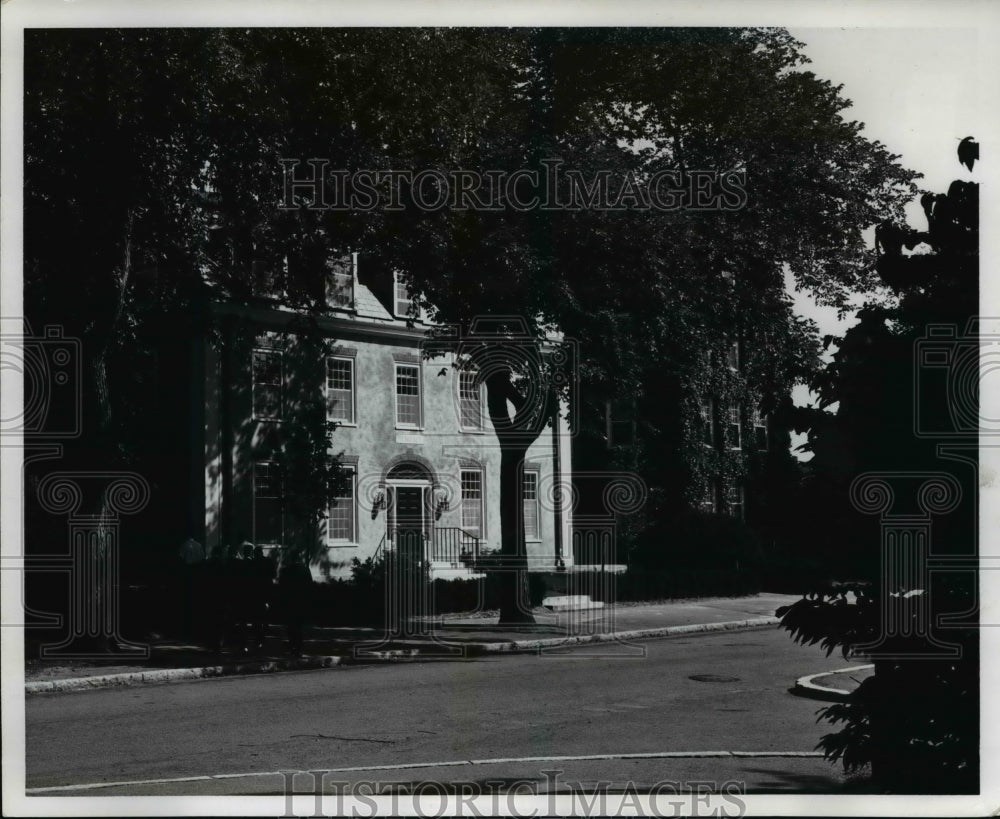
x=448, y=637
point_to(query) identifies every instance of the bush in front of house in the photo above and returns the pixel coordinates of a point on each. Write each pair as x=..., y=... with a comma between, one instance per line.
x=480, y=594
x=362, y=600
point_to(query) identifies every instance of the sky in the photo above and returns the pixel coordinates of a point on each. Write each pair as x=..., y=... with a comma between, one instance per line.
x=917, y=92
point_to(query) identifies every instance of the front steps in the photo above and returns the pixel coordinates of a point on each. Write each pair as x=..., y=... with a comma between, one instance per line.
x=571, y=602
x=453, y=571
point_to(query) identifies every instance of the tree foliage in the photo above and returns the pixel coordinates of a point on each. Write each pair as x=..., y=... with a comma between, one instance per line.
x=162, y=149
x=916, y=720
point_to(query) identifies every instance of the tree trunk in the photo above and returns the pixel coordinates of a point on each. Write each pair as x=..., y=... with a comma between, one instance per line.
x=515, y=433
x=515, y=602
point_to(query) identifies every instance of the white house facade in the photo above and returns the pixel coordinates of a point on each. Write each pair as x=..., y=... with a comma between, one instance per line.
x=413, y=432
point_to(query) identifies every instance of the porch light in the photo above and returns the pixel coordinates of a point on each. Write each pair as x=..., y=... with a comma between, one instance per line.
x=441, y=505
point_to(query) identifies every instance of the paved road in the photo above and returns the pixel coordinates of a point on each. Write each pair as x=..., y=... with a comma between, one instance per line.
x=424, y=714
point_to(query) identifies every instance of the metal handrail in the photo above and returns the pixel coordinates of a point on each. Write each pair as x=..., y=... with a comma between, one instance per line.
x=446, y=544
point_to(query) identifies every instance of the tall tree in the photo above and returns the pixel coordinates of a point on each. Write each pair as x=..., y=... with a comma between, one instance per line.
x=905, y=416
x=146, y=188
x=633, y=282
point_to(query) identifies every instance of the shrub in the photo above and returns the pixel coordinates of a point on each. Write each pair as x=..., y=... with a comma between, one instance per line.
x=916, y=721
x=691, y=555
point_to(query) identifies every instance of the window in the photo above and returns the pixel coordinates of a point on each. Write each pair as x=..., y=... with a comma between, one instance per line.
x=734, y=502
x=529, y=498
x=267, y=279
x=407, y=395
x=620, y=421
x=472, y=502
x=341, y=524
x=707, y=502
x=706, y=411
x=733, y=356
x=759, y=423
x=340, y=282
x=267, y=378
x=268, y=495
x=340, y=389
x=470, y=401
x=734, y=428
x=403, y=302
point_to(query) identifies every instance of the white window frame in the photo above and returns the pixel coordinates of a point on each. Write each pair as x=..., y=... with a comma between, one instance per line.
x=734, y=419
x=709, y=499
x=733, y=356
x=280, y=385
x=419, y=425
x=536, y=474
x=481, y=534
x=352, y=272
x=280, y=497
x=759, y=421
x=396, y=284
x=739, y=503
x=706, y=403
x=481, y=427
x=352, y=541
x=354, y=392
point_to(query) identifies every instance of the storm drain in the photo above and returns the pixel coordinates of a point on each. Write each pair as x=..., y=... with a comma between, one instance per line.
x=713, y=678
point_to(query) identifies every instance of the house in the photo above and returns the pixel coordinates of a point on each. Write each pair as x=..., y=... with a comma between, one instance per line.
x=413, y=433
x=701, y=438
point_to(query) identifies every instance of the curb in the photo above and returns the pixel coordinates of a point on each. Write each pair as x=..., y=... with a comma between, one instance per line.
x=517, y=646
x=179, y=674
x=806, y=687
x=395, y=655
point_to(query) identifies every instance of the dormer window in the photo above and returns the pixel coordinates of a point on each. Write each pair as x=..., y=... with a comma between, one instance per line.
x=267, y=279
x=403, y=304
x=340, y=277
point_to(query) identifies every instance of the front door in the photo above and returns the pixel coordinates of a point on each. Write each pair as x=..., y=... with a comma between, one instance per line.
x=409, y=520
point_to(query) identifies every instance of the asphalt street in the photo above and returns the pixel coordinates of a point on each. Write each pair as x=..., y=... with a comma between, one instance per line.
x=682, y=707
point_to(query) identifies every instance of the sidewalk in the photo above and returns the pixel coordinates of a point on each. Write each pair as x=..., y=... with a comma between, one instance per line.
x=447, y=637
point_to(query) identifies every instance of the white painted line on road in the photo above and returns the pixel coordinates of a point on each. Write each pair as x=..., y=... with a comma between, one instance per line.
x=91, y=786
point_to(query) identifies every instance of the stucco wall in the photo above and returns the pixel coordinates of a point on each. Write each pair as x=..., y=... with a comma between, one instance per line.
x=373, y=443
